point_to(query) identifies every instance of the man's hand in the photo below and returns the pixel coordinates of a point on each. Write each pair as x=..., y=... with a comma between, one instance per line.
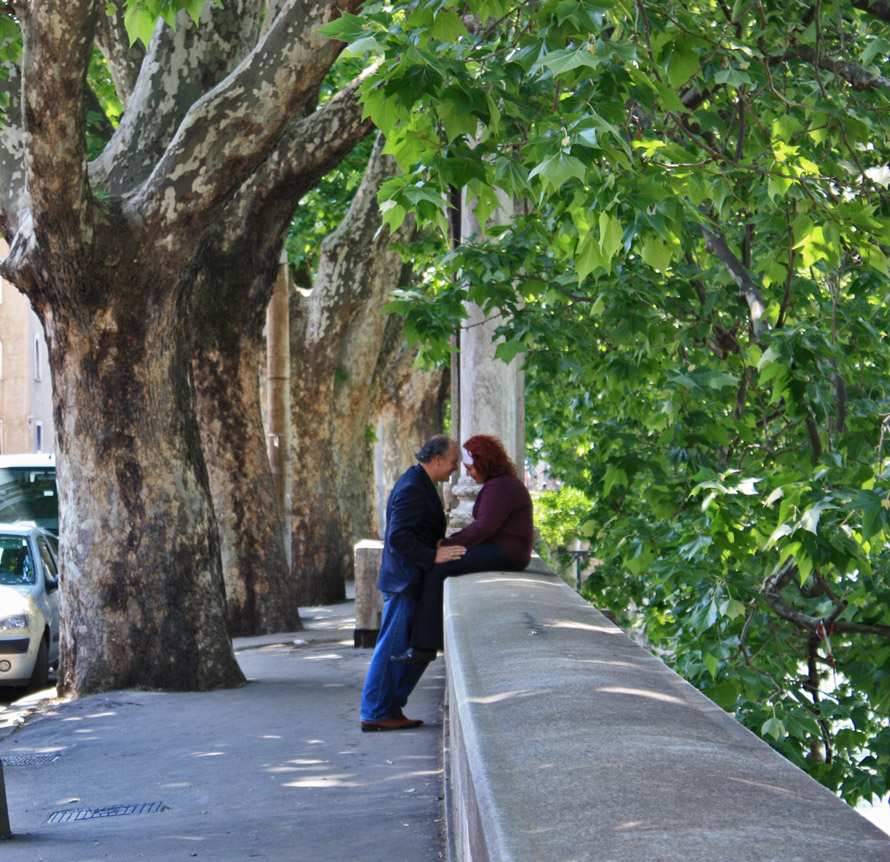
x=449, y=553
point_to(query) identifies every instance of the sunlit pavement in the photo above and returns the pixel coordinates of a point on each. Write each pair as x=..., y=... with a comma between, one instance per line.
x=276, y=770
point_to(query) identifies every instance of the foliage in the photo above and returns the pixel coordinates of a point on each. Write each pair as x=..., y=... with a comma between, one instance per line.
x=558, y=517
x=142, y=15
x=323, y=207
x=101, y=124
x=700, y=291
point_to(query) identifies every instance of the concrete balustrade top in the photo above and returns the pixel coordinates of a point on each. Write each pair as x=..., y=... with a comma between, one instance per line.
x=568, y=741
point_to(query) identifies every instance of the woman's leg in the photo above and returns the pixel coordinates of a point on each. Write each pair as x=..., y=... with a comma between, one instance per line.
x=428, y=633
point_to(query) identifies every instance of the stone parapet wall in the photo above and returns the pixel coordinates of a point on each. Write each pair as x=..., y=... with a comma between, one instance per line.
x=568, y=741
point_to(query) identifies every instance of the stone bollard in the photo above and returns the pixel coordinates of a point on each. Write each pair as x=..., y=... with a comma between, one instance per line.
x=368, y=600
x=5, y=831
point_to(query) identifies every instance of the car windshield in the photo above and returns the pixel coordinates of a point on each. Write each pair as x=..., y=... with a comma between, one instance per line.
x=16, y=566
x=29, y=494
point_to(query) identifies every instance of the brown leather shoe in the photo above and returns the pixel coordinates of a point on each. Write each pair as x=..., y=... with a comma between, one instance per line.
x=395, y=722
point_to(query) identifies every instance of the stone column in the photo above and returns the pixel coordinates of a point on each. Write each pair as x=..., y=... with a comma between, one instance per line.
x=491, y=396
x=278, y=394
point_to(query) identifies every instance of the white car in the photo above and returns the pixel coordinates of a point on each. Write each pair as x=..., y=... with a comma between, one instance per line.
x=29, y=605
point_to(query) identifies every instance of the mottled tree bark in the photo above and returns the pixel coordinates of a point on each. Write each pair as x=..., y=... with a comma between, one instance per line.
x=140, y=559
x=393, y=398
x=259, y=593
x=349, y=358
x=411, y=414
x=109, y=255
x=234, y=284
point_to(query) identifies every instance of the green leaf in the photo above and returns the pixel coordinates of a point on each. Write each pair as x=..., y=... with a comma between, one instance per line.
x=559, y=169
x=719, y=380
x=809, y=521
x=874, y=512
x=657, y=254
x=682, y=65
x=393, y=215
x=610, y=235
x=733, y=77
x=874, y=48
x=346, y=28
x=779, y=533
x=704, y=616
x=773, y=727
x=565, y=59
x=711, y=662
x=615, y=477
x=734, y=608
x=724, y=694
x=456, y=119
x=448, y=27
x=139, y=24
x=589, y=256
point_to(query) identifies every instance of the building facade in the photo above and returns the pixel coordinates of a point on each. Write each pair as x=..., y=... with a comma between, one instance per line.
x=26, y=404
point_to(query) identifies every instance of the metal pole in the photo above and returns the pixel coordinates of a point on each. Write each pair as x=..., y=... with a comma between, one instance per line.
x=5, y=831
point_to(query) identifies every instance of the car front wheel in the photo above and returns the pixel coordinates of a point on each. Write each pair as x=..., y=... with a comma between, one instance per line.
x=40, y=675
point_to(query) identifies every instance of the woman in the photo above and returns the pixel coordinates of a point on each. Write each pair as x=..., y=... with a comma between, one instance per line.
x=499, y=539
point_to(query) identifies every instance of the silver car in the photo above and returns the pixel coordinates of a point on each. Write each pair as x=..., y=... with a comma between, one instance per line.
x=29, y=605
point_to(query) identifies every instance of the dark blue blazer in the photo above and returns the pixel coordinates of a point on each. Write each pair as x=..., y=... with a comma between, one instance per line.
x=415, y=521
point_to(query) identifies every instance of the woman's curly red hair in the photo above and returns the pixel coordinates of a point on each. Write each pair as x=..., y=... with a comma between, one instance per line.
x=489, y=457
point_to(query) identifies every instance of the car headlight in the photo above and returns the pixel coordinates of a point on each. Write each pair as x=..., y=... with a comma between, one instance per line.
x=15, y=622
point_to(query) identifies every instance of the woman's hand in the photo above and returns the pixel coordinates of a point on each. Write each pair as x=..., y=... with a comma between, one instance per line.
x=449, y=553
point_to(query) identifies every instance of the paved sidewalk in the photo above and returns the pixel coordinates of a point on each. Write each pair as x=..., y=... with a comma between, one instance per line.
x=277, y=770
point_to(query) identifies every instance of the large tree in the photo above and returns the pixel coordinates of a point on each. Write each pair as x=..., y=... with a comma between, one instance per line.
x=349, y=362
x=237, y=272
x=110, y=253
x=701, y=295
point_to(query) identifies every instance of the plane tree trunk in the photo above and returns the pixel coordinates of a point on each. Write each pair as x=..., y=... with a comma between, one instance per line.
x=235, y=280
x=259, y=593
x=107, y=254
x=349, y=357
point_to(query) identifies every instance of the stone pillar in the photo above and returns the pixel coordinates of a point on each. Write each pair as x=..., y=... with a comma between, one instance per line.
x=278, y=395
x=368, y=599
x=490, y=394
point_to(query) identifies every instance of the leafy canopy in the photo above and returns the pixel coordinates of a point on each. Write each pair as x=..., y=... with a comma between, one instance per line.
x=699, y=285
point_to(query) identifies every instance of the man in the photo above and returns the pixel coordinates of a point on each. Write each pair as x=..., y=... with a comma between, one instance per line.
x=415, y=527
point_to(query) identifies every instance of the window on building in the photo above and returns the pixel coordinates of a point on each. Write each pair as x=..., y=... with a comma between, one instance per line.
x=37, y=358
x=38, y=436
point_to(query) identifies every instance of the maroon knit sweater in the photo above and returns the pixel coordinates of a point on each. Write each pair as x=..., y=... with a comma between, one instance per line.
x=502, y=515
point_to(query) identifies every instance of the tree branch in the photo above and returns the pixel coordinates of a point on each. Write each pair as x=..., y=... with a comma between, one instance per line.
x=13, y=205
x=853, y=73
x=57, y=42
x=124, y=60
x=202, y=55
x=772, y=595
x=876, y=8
x=716, y=244
x=224, y=135
x=295, y=167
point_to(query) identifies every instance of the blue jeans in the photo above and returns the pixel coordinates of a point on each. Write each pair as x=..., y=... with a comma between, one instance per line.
x=388, y=684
